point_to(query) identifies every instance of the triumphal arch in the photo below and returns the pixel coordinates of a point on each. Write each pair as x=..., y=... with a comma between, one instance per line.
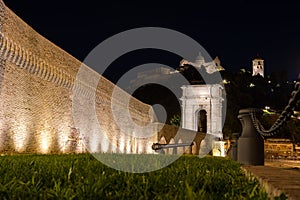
x=202, y=108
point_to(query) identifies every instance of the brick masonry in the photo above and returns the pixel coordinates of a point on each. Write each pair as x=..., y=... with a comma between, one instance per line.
x=38, y=83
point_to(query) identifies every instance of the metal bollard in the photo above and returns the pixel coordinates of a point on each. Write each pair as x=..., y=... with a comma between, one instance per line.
x=250, y=145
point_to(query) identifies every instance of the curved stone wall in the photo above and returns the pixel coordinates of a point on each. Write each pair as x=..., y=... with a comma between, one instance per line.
x=37, y=81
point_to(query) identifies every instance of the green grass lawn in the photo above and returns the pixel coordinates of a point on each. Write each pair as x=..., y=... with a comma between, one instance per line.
x=84, y=177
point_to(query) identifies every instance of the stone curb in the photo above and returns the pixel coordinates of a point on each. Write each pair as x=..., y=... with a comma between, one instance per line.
x=271, y=190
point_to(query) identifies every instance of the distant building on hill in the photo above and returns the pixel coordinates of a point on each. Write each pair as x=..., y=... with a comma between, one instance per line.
x=258, y=66
x=210, y=67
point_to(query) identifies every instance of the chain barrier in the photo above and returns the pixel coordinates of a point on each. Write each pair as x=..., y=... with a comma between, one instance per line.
x=284, y=116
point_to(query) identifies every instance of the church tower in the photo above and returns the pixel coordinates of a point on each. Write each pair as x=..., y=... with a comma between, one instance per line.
x=258, y=66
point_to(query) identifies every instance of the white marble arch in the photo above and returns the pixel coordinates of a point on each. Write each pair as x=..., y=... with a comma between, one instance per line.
x=202, y=97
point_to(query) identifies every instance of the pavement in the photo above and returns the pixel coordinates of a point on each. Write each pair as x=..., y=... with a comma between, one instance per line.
x=278, y=176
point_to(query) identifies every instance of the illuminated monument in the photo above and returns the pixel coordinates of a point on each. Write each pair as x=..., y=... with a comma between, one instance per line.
x=258, y=66
x=202, y=108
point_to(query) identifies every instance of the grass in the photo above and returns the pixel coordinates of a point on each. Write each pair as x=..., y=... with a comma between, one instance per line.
x=84, y=177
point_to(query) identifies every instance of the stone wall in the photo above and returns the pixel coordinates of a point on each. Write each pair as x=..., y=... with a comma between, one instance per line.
x=38, y=81
x=168, y=134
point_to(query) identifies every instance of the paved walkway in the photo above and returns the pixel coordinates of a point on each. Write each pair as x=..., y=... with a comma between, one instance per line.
x=278, y=176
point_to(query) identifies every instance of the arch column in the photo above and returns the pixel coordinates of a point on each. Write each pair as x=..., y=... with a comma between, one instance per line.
x=216, y=117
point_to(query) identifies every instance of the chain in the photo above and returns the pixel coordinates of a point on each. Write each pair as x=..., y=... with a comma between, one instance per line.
x=284, y=116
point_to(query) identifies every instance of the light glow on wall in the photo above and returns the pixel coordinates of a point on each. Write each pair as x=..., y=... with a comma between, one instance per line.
x=149, y=147
x=104, y=144
x=63, y=137
x=141, y=146
x=122, y=143
x=134, y=145
x=94, y=143
x=113, y=143
x=128, y=146
x=20, y=137
x=45, y=141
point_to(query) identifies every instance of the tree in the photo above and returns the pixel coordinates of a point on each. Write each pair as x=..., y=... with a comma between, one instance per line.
x=175, y=120
x=293, y=127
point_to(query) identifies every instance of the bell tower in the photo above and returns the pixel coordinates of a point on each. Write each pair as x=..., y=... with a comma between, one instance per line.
x=258, y=66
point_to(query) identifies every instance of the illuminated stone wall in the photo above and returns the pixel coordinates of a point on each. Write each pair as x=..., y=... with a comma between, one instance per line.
x=37, y=81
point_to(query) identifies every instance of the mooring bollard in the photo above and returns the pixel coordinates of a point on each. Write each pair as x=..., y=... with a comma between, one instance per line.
x=250, y=145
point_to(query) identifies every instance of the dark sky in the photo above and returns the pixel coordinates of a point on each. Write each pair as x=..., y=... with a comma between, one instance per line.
x=236, y=30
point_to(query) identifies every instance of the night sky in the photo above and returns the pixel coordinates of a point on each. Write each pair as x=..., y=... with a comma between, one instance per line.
x=236, y=31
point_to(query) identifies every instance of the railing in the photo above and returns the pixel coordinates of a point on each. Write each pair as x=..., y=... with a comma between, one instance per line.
x=158, y=147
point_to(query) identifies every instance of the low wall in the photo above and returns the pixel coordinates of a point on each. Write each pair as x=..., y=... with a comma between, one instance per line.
x=168, y=134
